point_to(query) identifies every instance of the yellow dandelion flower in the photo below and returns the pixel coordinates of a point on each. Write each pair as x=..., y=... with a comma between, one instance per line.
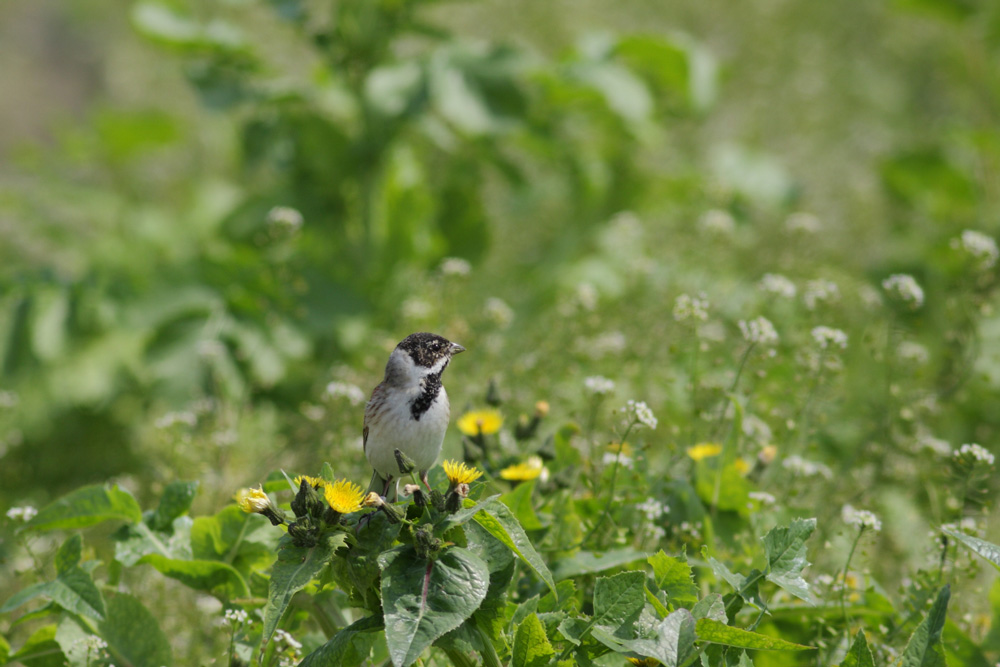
x=460, y=473
x=314, y=482
x=742, y=467
x=480, y=422
x=344, y=496
x=522, y=472
x=620, y=448
x=252, y=501
x=704, y=450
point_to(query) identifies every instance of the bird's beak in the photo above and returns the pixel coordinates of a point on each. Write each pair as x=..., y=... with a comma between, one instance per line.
x=456, y=348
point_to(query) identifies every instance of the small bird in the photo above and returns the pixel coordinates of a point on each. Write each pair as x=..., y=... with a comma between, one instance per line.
x=409, y=410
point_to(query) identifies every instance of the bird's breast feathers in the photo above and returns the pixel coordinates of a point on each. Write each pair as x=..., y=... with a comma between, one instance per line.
x=391, y=425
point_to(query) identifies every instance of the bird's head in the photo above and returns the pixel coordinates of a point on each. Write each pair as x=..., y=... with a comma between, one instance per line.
x=419, y=355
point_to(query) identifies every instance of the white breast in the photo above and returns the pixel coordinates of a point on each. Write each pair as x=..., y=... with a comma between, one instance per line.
x=395, y=428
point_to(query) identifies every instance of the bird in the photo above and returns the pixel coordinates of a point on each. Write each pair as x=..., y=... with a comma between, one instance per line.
x=408, y=410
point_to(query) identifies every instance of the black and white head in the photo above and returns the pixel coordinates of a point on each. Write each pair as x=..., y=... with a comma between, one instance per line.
x=419, y=356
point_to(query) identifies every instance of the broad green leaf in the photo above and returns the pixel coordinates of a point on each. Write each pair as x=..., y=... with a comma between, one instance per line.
x=326, y=472
x=138, y=540
x=786, y=557
x=672, y=642
x=745, y=660
x=728, y=490
x=466, y=514
x=587, y=562
x=351, y=646
x=859, y=655
x=673, y=576
x=73, y=590
x=86, y=507
x=294, y=569
x=212, y=576
x=40, y=650
x=721, y=571
x=70, y=637
x=961, y=649
x=924, y=648
x=711, y=606
x=746, y=587
x=246, y=541
x=531, y=645
x=175, y=500
x=69, y=553
x=133, y=634
x=519, y=502
x=618, y=602
x=423, y=599
x=497, y=519
x=710, y=630
x=986, y=550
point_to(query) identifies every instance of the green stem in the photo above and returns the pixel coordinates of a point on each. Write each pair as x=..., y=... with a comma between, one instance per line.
x=489, y=652
x=611, y=491
x=843, y=584
x=457, y=658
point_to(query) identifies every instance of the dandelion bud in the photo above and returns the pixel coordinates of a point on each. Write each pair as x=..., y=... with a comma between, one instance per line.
x=255, y=501
x=303, y=533
x=419, y=499
x=542, y=409
x=405, y=463
x=426, y=544
x=437, y=500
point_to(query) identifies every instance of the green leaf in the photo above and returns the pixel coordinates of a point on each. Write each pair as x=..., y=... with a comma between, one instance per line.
x=587, y=562
x=423, y=599
x=73, y=590
x=350, y=646
x=618, y=601
x=212, y=576
x=987, y=550
x=326, y=472
x=497, y=519
x=294, y=569
x=711, y=606
x=786, y=557
x=716, y=632
x=69, y=554
x=40, y=650
x=86, y=507
x=728, y=490
x=70, y=636
x=531, y=645
x=924, y=648
x=859, y=655
x=673, y=576
x=175, y=500
x=519, y=502
x=246, y=541
x=132, y=633
x=672, y=642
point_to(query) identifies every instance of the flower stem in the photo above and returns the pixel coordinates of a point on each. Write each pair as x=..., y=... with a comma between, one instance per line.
x=847, y=567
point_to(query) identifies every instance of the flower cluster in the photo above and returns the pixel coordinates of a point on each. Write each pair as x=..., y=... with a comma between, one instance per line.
x=638, y=411
x=284, y=220
x=455, y=266
x=820, y=291
x=26, y=513
x=975, y=453
x=800, y=466
x=235, y=617
x=827, y=336
x=653, y=509
x=691, y=308
x=351, y=392
x=982, y=247
x=759, y=331
x=777, y=284
x=717, y=221
x=599, y=385
x=904, y=288
x=860, y=518
x=622, y=453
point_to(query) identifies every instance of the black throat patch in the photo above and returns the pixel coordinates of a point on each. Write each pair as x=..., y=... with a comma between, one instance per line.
x=430, y=387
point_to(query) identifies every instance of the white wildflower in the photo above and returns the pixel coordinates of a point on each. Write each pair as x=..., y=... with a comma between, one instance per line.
x=282, y=636
x=313, y=412
x=586, y=296
x=982, y=247
x=235, y=617
x=755, y=428
x=346, y=390
x=92, y=644
x=799, y=465
x=284, y=219
x=905, y=288
x=820, y=290
x=974, y=452
x=173, y=418
x=26, y=513
x=759, y=331
x=717, y=221
x=455, y=266
x=653, y=509
x=623, y=459
x=860, y=518
x=762, y=497
x=827, y=336
x=926, y=440
x=777, y=284
x=803, y=222
x=913, y=352
x=656, y=532
x=416, y=309
x=611, y=342
x=599, y=385
x=498, y=311
x=687, y=307
x=638, y=411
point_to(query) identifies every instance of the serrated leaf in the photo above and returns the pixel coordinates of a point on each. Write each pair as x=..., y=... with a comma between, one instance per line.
x=69, y=554
x=40, y=650
x=859, y=655
x=86, y=507
x=531, y=645
x=710, y=630
x=786, y=557
x=294, y=569
x=423, y=599
x=618, y=601
x=175, y=500
x=350, y=646
x=587, y=562
x=924, y=648
x=498, y=520
x=711, y=606
x=518, y=501
x=674, y=577
x=672, y=642
x=986, y=550
x=132, y=632
x=73, y=590
x=212, y=576
x=246, y=541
